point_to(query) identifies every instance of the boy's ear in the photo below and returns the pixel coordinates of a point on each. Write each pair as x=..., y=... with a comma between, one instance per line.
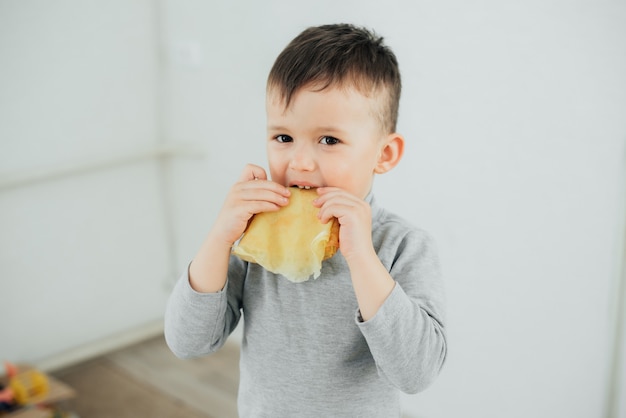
x=390, y=153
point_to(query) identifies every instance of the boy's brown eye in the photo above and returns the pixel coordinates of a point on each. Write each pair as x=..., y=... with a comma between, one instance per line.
x=329, y=140
x=283, y=138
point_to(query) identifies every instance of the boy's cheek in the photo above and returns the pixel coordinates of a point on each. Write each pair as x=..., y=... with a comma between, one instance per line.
x=272, y=168
x=277, y=177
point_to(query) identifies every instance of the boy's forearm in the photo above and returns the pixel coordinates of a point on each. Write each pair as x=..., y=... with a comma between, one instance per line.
x=407, y=340
x=209, y=268
x=372, y=284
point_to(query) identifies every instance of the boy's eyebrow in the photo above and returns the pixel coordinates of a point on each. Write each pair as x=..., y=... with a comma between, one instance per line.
x=329, y=129
x=276, y=128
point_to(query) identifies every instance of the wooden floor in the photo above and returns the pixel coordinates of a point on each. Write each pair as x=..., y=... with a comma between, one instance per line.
x=146, y=380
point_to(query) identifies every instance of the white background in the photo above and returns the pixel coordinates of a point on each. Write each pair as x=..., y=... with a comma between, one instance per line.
x=515, y=119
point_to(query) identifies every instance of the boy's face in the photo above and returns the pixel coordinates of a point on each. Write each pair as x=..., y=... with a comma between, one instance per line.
x=327, y=138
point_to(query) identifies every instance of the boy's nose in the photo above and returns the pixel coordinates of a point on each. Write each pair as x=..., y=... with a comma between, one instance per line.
x=302, y=160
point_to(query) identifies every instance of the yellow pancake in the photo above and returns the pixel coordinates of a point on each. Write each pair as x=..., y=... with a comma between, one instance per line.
x=292, y=241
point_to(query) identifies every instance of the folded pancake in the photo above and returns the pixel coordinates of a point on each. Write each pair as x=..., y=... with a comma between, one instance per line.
x=292, y=241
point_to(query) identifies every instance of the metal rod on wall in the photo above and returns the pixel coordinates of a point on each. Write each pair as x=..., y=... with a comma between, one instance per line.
x=616, y=368
x=56, y=172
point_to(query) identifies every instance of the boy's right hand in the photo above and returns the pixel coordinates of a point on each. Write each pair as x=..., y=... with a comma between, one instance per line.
x=252, y=194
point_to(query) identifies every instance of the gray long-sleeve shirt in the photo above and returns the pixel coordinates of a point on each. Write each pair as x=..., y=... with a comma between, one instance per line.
x=305, y=351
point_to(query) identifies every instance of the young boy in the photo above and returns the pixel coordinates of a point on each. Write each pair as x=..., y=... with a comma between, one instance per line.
x=344, y=344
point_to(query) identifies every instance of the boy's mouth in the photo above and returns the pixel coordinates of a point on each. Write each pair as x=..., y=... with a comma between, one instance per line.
x=303, y=185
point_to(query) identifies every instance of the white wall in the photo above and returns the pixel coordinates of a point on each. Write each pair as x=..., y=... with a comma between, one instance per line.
x=81, y=257
x=514, y=116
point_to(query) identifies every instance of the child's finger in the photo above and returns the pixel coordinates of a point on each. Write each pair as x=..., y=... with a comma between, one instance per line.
x=255, y=177
x=262, y=189
x=325, y=190
x=335, y=194
x=273, y=193
x=334, y=202
x=253, y=172
x=324, y=193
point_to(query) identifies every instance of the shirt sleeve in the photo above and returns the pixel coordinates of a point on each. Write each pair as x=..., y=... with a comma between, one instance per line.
x=407, y=335
x=198, y=324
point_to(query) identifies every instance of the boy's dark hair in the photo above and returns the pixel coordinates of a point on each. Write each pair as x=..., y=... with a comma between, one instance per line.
x=339, y=55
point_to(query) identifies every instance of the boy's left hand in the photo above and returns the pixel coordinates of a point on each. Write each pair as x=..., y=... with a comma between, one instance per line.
x=371, y=281
x=355, y=220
